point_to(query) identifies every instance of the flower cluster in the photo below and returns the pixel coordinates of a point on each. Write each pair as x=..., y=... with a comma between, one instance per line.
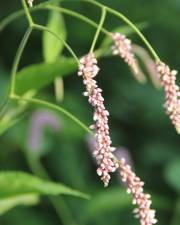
x=122, y=47
x=88, y=69
x=172, y=93
x=30, y=3
x=143, y=212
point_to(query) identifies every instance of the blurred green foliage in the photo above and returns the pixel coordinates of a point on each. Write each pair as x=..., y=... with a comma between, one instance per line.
x=137, y=118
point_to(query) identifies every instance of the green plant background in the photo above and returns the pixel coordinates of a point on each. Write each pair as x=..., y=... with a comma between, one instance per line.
x=137, y=120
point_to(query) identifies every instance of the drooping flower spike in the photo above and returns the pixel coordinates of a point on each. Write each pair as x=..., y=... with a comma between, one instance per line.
x=122, y=46
x=143, y=212
x=172, y=93
x=88, y=69
x=30, y=3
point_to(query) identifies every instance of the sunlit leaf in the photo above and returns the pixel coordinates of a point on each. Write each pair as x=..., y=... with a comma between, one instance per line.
x=52, y=46
x=19, y=183
x=37, y=76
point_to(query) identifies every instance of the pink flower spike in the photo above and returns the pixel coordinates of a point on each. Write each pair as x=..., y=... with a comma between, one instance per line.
x=172, y=93
x=143, y=212
x=88, y=69
x=122, y=47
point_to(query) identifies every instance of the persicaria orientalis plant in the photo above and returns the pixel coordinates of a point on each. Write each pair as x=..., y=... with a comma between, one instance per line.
x=88, y=70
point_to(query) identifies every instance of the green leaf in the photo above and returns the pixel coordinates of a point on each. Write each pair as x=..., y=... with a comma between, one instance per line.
x=19, y=183
x=126, y=30
x=172, y=173
x=11, y=202
x=37, y=76
x=52, y=47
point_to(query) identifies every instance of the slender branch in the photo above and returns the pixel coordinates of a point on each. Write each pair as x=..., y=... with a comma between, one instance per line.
x=17, y=60
x=54, y=107
x=6, y=21
x=126, y=20
x=43, y=28
x=28, y=16
x=76, y=15
x=102, y=19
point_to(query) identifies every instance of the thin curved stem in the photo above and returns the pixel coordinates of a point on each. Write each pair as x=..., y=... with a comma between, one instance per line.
x=126, y=20
x=102, y=19
x=17, y=60
x=45, y=6
x=28, y=16
x=54, y=107
x=76, y=15
x=43, y=28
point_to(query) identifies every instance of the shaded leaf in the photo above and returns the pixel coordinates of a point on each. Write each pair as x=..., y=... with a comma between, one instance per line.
x=37, y=76
x=19, y=183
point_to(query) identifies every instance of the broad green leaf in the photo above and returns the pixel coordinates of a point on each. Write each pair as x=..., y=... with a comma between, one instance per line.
x=19, y=183
x=11, y=202
x=126, y=30
x=172, y=173
x=52, y=47
x=37, y=76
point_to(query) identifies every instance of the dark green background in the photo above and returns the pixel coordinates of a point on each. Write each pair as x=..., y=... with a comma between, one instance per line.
x=137, y=119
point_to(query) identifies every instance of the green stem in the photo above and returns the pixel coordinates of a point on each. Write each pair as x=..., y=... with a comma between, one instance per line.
x=42, y=28
x=17, y=60
x=44, y=6
x=28, y=16
x=103, y=16
x=54, y=107
x=127, y=21
x=77, y=15
x=58, y=203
